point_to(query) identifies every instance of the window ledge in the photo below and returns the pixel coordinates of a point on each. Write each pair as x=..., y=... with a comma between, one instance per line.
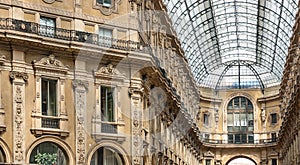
x=106, y=136
x=98, y=121
x=49, y=131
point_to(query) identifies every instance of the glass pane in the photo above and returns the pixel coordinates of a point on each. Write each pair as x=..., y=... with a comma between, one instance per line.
x=243, y=119
x=44, y=97
x=250, y=139
x=230, y=119
x=107, y=103
x=237, y=138
x=244, y=138
x=52, y=98
x=230, y=138
x=236, y=119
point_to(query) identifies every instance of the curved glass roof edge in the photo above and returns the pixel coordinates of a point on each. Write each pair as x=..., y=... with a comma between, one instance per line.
x=219, y=33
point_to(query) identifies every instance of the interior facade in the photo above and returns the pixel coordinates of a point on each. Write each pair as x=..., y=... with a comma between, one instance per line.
x=151, y=82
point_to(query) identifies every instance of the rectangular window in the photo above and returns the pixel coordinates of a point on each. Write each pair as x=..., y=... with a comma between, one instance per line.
x=274, y=161
x=230, y=138
x=206, y=119
x=106, y=3
x=107, y=103
x=273, y=118
x=273, y=137
x=207, y=162
x=47, y=26
x=49, y=102
x=105, y=37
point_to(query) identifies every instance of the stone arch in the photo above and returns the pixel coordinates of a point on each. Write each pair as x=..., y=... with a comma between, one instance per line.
x=6, y=151
x=66, y=148
x=111, y=144
x=251, y=158
x=229, y=98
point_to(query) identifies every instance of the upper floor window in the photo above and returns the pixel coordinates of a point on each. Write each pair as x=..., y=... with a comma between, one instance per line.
x=273, y=118
x=207, y=162
x=205, y=119
x=106, y=3
x=240, y=120
x=105, y=36
x=49, y=103
x=47, y=26
x=107, y=103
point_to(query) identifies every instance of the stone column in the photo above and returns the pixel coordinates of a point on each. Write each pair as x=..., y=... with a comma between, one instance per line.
x=18, y=82
x=135, y=92
x=80, y=90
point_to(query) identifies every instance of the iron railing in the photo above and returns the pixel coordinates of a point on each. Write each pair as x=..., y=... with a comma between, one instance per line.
x=259, y=141
x=109, y=128
x=50, y=123
x=70, y=35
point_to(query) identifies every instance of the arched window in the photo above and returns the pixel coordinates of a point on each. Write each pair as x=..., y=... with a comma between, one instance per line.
x=107, y=156
x=2, y=156
x=48, y=151
x=240, y=120
x=241, y=161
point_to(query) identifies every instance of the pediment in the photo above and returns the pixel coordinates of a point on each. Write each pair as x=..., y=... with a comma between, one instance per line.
x=209, y=154
x=50, y=63
x=109, y=72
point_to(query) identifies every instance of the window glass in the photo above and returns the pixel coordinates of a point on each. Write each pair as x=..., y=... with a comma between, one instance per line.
x=49, y=96
x=47, y=26
x=107, y=103
x=240, y=120
x=206, y=119
x=49, y=148
x=105, y=36
x=274, y=161
x=274, y=118
x=106, y=3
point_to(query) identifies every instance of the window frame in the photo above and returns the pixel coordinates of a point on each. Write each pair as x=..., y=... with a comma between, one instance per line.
x=274, y=119
x=104, y=4
x=102, y=38
x=43, y=29
x=240, y=109
x=56, y=111
x=114, y=103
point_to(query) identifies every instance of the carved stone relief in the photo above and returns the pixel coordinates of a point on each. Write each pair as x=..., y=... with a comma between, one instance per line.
x=80, y=88
x=18, y=79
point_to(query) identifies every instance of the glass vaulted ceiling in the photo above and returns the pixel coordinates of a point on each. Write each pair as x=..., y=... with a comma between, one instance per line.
x=234, y=43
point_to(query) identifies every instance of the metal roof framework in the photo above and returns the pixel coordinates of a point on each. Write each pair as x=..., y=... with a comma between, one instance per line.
x=234, y=43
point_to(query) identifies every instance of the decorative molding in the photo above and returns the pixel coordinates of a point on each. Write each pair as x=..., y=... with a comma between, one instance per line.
x=109, y=72
x=51, y=1
x=82, y=83
x=14, y=74
x=19, y=124
x=50, y=63
x=107, y=10
x=2, y=59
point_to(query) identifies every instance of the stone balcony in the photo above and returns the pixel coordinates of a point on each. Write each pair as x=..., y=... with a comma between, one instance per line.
x=49, y=125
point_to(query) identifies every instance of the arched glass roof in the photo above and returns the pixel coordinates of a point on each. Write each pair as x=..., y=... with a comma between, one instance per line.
x=234, y=43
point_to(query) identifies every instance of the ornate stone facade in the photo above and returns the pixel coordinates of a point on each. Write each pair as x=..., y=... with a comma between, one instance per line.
x=131, y=93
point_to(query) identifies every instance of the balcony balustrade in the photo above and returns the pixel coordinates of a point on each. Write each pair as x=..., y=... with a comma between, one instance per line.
x=70, y=35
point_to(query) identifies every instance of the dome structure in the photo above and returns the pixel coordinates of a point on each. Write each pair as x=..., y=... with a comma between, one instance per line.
x=234, y=43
